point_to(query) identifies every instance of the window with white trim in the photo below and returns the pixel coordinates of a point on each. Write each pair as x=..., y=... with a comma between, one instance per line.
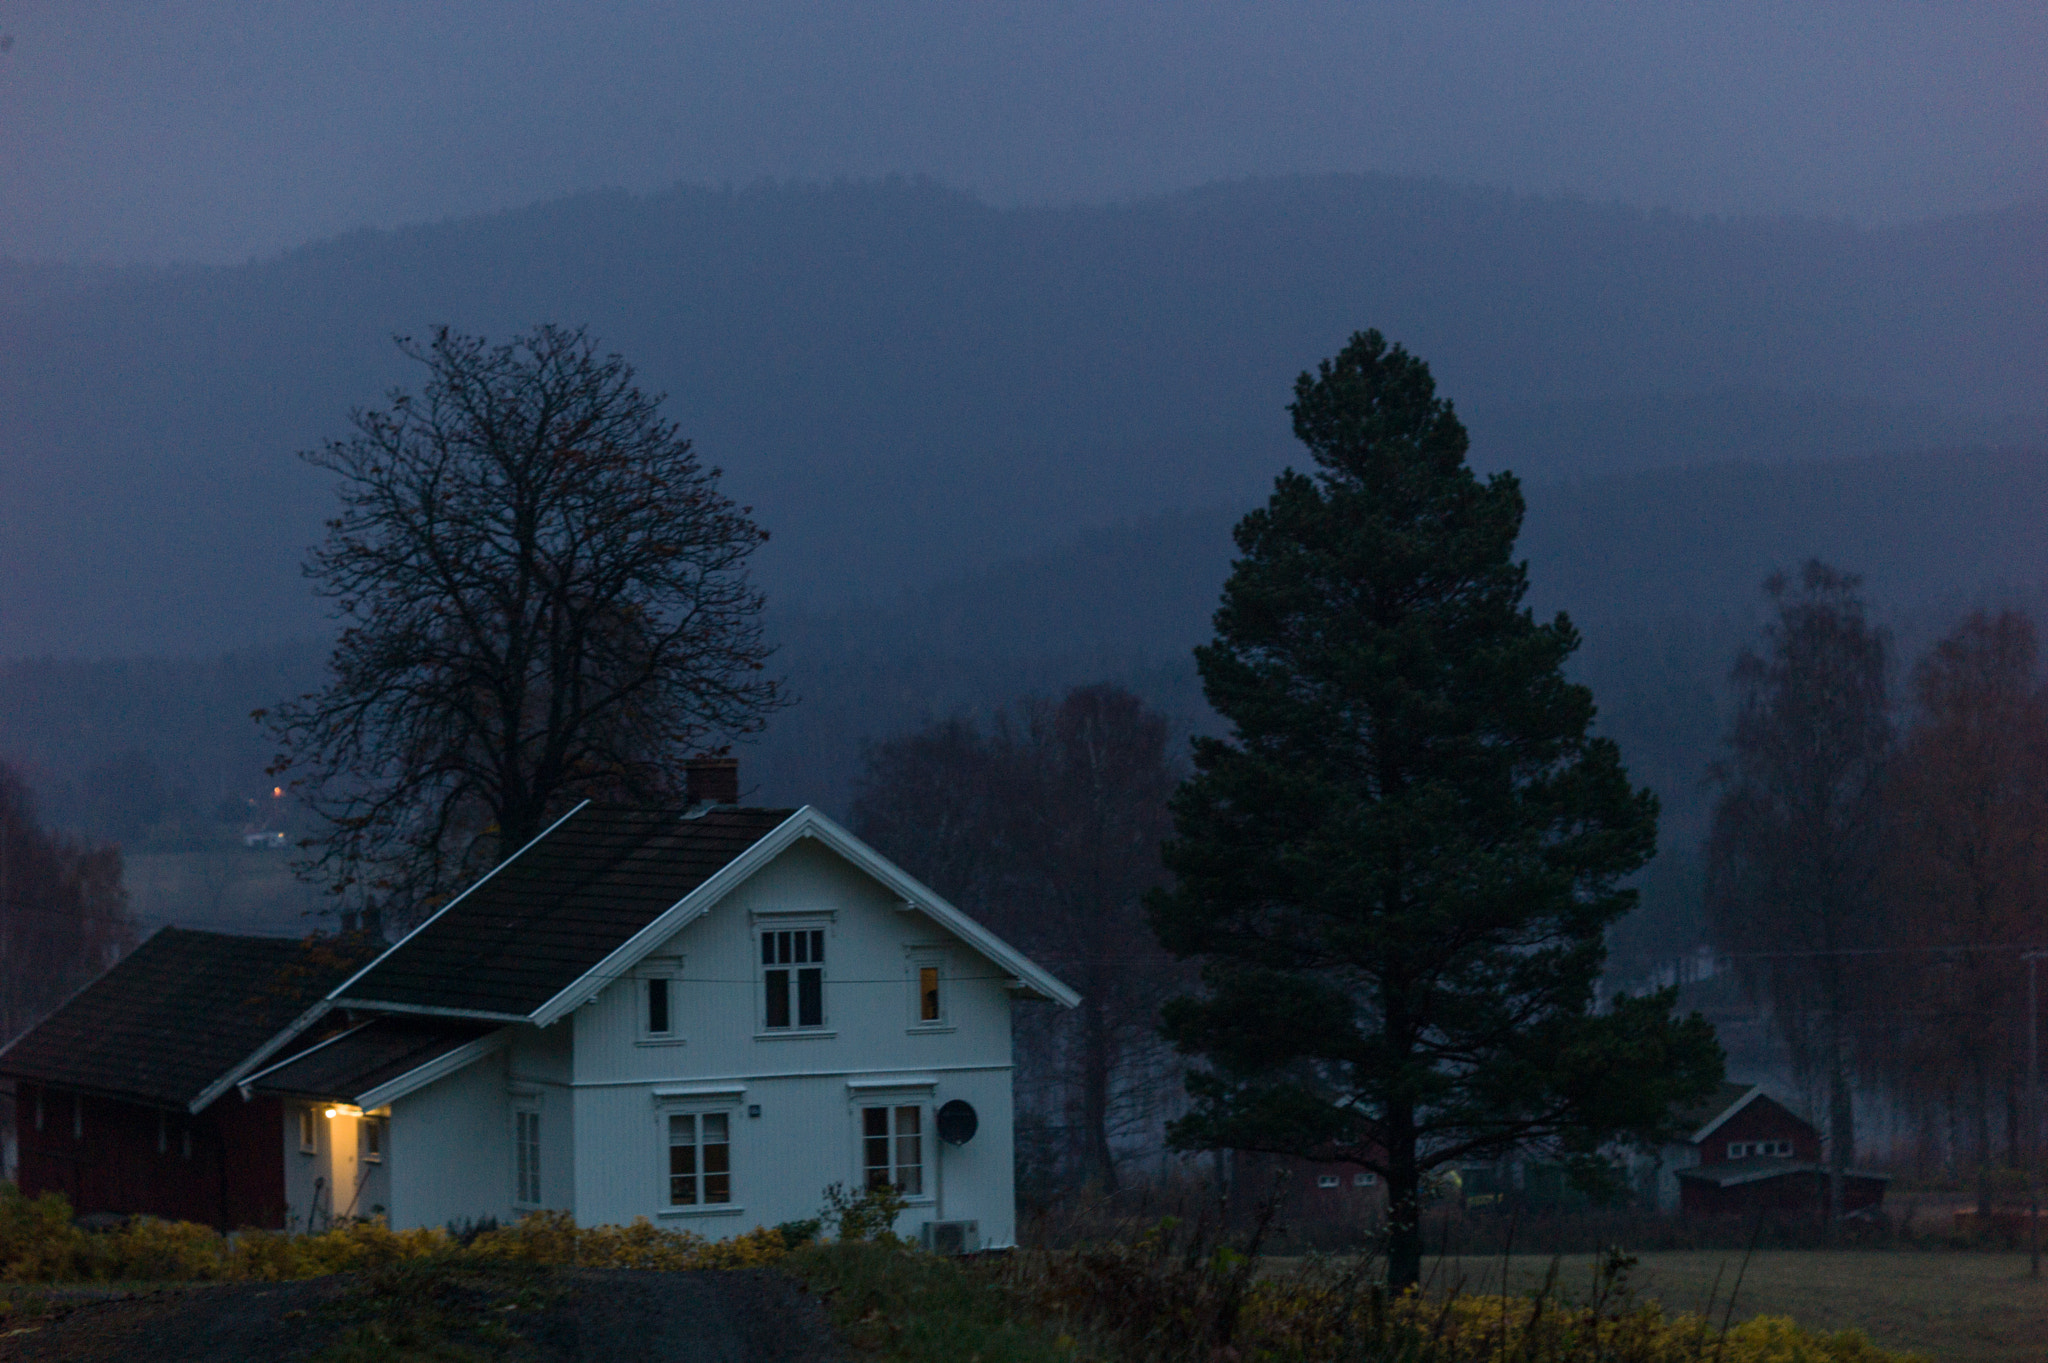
x=699, y=1159
x=792, y=978
x=926, y=969
x=658, y=999
x=1364, y=1180
x=1328, y=1181
x=309, y=1130
x=1744, y=1149
x=370, y=1141
x=526, y=1157
x=892, y=1147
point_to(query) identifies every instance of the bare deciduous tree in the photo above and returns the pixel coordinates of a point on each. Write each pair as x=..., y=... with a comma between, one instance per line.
x=545, y=597
x=1797, y=836
x=1969, y=812
x=1048, y=828
x=63, y=912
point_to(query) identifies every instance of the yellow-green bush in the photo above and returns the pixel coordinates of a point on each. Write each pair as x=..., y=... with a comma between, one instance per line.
x=1286, y=1321
x=554, y=1238
x=39, y=1243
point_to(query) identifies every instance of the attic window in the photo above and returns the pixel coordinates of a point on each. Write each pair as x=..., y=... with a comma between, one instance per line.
x=1364, y=1180
x=793, y=978
x=657, y=1006
x=1327, y=1181
x=927, y=993
x=1744, y=1149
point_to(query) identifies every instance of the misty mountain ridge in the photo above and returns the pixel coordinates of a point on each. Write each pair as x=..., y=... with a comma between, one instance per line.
x=1660, y=570
x=911, y=386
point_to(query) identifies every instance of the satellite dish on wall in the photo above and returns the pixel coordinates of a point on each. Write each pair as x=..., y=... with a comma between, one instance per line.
x=957, y=1123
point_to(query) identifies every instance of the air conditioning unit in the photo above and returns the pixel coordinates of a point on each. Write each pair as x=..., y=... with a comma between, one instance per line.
x=952, y=1237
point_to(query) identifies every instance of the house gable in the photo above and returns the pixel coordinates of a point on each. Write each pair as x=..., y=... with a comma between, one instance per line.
x=806, y=824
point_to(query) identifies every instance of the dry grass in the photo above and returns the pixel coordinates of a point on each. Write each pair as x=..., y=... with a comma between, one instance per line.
x=1971, y=1307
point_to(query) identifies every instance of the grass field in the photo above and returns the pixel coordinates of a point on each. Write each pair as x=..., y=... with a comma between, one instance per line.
x=1962, y=1305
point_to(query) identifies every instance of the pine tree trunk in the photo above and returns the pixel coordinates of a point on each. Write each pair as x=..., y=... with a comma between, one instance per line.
x=1404, y=1203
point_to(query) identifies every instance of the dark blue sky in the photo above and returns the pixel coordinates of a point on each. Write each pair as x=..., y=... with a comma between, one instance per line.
x=212, y=129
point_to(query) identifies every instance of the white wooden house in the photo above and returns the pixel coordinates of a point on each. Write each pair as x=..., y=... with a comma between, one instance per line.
x=700, y=1017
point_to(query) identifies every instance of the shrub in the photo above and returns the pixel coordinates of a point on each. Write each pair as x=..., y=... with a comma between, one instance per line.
x=869, y=1216
x=40, y=1243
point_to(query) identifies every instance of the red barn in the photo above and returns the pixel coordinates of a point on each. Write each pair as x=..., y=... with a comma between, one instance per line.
x=1751, y=1153
x=125, y=1097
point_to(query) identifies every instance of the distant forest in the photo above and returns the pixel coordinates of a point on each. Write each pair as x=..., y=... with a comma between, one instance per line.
x=1000, y=451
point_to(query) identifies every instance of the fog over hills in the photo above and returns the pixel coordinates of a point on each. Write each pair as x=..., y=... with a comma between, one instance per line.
x=910, y=385
x=1001, y=450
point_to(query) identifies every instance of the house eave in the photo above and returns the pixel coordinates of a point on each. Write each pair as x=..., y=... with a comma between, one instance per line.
x=1719, y=1119
x=805, y=822
x=431, y=1010
x=440, y=1067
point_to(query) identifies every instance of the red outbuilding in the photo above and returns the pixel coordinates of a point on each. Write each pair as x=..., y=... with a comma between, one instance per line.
x=126, y=1098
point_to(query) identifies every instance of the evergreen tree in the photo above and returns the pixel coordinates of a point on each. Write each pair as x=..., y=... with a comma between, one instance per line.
x=1398, y=869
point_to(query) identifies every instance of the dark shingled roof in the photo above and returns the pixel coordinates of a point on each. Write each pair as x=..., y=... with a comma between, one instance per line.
x=1713, y=1105
x=179, y=1012
x=1757, y=1168
x=352, y=1064
x=541, y=921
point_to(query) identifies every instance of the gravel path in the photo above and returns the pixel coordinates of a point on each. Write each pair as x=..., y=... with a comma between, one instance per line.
x=737, y=1316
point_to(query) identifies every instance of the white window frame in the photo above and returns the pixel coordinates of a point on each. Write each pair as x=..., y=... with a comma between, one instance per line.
x=309, y=1129
x=763, y=926
x=370, y=1135
x=727, y=1102
x=526, y=1115
x=1364, y=1179
x=917, y=960
x=1329, y=1181
x=668, y=970
x=892, y=1100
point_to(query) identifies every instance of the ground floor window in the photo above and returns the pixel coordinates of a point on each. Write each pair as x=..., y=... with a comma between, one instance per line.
x=699, y=1159
x=309, y=1130
x=892, y=1148
x=526, y=1158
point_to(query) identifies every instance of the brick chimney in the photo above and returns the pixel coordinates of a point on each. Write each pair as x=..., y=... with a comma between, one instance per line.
x=712, y=780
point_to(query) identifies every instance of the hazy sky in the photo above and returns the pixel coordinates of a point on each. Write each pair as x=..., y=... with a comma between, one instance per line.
x=212, y=129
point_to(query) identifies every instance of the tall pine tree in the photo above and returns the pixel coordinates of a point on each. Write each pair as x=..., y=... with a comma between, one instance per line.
x=1398, y=869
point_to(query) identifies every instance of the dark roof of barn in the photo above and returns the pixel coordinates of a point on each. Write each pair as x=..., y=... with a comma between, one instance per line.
x=1759, y=1168
x=543, y=919
x=177, y=1014
x=360, y=1060
x=1714, y=1105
